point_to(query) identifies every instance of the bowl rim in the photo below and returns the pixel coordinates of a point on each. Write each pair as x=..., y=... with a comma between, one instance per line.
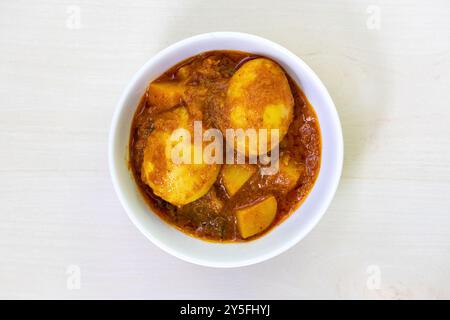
x=333, y=181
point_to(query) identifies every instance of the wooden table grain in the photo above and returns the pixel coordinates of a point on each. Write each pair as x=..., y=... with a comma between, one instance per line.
x=63, y=232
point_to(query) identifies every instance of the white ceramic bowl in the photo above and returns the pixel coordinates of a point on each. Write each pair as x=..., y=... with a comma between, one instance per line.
x=283, y=236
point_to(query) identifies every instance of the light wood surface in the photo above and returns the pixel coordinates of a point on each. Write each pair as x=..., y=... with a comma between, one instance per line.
x=387, y=232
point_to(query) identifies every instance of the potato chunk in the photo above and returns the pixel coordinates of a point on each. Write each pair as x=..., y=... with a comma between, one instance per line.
x=177, y=183
x=289, y=171
x=258, y=97
x=165, y=95
x=256, y=218
x=236, y=175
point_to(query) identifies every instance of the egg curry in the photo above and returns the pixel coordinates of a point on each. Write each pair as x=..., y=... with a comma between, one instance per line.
x=225, y=201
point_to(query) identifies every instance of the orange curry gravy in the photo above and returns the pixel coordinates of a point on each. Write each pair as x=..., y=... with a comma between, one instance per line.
x=204, y=218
